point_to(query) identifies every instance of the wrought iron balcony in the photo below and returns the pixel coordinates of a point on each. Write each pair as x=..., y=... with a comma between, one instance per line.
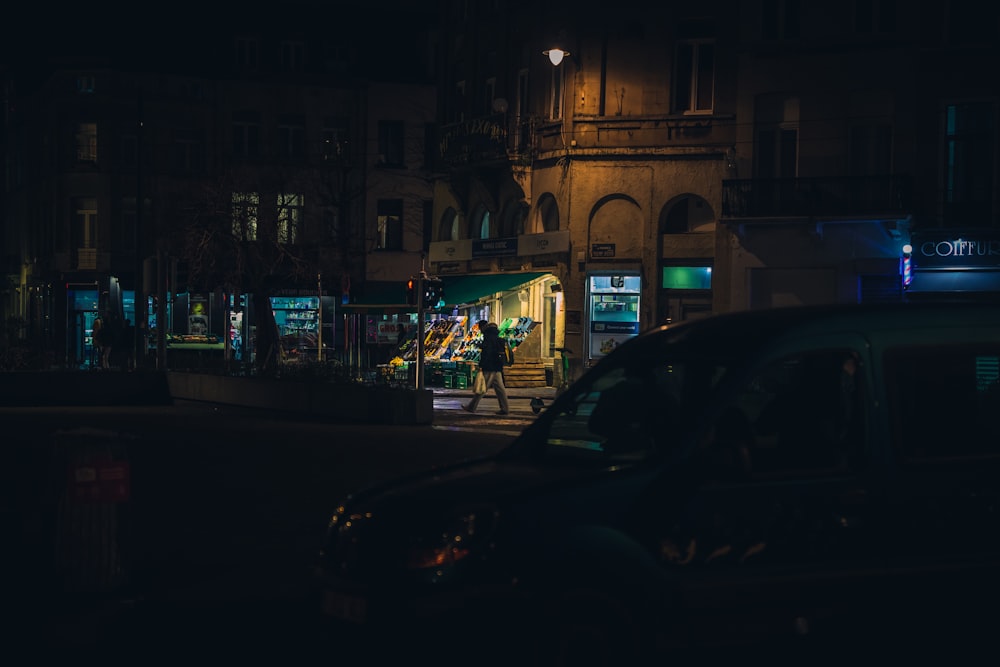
x=879, y=196
x=477, y=141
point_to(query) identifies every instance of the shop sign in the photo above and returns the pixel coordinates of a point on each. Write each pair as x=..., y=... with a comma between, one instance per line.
x=602, y=250
x=100, y=482
x=631, y=328
x=388, y=332
x=951, y=250
x=494, y=247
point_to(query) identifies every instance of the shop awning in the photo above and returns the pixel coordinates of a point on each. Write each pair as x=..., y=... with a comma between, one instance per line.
x=462, y=290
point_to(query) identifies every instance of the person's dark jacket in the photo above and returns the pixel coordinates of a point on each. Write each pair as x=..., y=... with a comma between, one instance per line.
x=493, y=356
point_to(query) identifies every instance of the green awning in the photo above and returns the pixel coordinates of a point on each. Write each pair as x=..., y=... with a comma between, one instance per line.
x=462, y=290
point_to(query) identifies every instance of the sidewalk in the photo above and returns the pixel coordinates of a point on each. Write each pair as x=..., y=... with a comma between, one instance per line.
x=547, y=393
x=448, y=402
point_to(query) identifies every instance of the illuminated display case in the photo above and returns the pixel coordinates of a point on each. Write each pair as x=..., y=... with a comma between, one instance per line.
x=613, y=311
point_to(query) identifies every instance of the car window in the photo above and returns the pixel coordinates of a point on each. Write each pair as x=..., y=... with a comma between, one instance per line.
x=800, y=413
x=944, y=400
x=631, y=409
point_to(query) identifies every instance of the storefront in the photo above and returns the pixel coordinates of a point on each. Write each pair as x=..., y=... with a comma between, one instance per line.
x=613, y=311
x=82, y=308
x=952, y=265
x=382, y=332
x=305, y=325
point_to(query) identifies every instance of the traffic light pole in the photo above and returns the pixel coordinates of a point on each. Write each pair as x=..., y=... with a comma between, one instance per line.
x=420, y=329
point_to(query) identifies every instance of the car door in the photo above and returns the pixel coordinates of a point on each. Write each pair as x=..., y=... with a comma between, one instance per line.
x=943, y=398
x=779, y=529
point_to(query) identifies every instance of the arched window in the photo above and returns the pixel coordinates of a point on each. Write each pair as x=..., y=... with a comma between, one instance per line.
x=547, y=214
x=514, y=219
x=450, y=226
x=688, y=213
x=481, y=226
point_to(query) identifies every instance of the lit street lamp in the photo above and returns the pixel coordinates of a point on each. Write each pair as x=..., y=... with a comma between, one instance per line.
x=556, y=55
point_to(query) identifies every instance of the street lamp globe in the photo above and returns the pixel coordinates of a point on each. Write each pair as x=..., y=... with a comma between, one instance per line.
x=555, y=55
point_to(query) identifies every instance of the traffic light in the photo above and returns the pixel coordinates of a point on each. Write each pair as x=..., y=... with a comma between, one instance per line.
x=433, y=293
x=411, y=291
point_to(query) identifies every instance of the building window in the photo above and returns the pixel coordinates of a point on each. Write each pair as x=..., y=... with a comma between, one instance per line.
x=776, y=136
x=125, y=238
x=389, y=225
x=335, y=137
x=871, y=148
x=969, y=150
x=86, y=222
x=246, y=52
x=289, y=218
x=188, y=153
x=390, y=143
x=245, y=205
x=556, y=94
x=689, y=277
x=86, y=142
x=481, y=224
x=85, y=83
x=779, y=19
x=246, y=134
x=694, y=77
x=337, y=57
x=129, y=157
x=292, y=55
x=451, y=224
x=331, y=223
x=291, y=136
x=874, y=16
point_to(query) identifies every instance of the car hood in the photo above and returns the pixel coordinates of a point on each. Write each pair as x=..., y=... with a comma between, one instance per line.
x=481, y=481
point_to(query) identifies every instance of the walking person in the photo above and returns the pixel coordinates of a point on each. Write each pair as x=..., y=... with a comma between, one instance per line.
x=96, y=338
x=106, y=338
x=494, y=355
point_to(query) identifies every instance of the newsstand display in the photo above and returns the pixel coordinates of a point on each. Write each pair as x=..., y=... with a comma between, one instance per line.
x=452, y=349
x=514, y=329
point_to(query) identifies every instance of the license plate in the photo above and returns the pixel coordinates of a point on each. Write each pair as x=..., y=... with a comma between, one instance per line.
x=345, y=607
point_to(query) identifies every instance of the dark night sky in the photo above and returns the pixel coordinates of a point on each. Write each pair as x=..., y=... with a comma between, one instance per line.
x=142, y=31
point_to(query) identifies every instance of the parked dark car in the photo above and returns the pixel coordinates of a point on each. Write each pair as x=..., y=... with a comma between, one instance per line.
x=799, y=473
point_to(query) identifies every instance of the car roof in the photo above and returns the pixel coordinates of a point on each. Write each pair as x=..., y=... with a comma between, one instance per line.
x=741, y=330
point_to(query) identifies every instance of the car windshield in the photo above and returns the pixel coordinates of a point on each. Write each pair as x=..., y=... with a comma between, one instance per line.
x=638, y=402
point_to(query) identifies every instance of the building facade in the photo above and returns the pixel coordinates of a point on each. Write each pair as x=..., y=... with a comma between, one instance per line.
x=254, y=159
x=689, y=159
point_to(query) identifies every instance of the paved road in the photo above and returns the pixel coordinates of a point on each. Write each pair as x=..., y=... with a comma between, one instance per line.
x=213, y=547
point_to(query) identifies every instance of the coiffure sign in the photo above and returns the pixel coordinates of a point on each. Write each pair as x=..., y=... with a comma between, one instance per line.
x=953, y=250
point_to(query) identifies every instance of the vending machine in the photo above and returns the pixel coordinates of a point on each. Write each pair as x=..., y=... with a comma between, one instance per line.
x=613, y=311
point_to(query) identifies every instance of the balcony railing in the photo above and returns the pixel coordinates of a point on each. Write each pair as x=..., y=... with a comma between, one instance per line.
x=474, y=142
x=816, y=197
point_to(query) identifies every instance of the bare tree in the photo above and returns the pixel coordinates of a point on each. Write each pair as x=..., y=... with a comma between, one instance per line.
x=229, y=239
